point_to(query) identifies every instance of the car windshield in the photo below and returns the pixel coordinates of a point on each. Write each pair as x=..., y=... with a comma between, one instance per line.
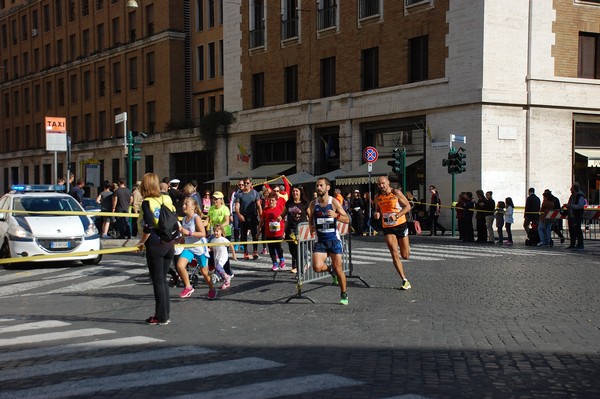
x=34, y=204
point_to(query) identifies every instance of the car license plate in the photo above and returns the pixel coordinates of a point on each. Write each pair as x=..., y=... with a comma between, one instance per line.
x=60, y=244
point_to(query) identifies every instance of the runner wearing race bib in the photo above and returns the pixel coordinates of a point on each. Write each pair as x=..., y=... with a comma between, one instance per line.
x=324, y=212
x=391, y=206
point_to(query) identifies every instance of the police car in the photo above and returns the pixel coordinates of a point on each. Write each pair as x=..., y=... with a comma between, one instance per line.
x=25, y=233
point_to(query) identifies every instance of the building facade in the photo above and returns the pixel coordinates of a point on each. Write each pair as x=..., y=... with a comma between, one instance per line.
x=310, y=84
x=518, y=79
x=89, y=61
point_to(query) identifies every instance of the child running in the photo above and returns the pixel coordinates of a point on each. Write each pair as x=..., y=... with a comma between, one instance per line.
x=221, y=257
x=193, y=232
x=272, y=221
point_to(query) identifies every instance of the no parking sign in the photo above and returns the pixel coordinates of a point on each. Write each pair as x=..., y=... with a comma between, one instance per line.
x=370, y=154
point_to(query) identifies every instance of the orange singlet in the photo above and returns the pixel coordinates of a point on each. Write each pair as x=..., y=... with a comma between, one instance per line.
x=389, y=206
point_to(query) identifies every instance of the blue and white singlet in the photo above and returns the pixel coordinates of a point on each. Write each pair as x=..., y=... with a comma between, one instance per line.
x=325, y=225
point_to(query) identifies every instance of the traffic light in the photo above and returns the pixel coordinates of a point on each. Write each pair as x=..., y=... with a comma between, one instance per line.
x=460, y=160
x=446, y=162
x=397, y=163
x=134, y=145
x=455, y=162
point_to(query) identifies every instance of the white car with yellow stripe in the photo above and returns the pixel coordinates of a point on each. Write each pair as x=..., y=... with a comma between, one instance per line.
x=53, y=231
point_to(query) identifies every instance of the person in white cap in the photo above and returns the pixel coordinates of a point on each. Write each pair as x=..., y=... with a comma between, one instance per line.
x=176, y=195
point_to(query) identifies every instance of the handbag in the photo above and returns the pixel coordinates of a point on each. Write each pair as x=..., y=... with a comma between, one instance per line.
x=417, y=227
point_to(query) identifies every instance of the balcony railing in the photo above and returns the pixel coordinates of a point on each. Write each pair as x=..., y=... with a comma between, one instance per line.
x=368, y=8
x=289, y=28
x=257, y=38
x=327, y=17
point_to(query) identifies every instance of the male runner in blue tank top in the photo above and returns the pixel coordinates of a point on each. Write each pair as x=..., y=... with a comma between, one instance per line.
x=323, y=214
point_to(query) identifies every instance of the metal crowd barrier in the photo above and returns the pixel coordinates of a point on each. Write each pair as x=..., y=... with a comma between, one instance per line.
x=590, y=225
x=306, y=274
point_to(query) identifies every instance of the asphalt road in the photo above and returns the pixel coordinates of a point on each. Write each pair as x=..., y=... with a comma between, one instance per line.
x=480, y=321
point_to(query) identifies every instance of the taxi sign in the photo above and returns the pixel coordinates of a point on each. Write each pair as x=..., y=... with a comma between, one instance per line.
x=56, y=133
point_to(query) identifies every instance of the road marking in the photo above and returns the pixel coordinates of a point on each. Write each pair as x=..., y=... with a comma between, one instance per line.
x=277, y=388
x=56, y=367
x=17, y=288
x=29, y=274
x=445, y=251
x=30, y=339
x=90, y=284
x=147, y=378
x=35, y=325
x=60, y=350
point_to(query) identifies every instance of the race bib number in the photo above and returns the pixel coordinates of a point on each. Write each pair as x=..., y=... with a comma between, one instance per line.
x=389, y=218
x=326, y=225
x=274, y=227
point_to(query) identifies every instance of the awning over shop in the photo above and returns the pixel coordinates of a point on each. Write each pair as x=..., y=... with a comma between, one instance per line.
x=592, y=154
x=333, y=175
x=264, y=172
x=296, y=178
x=360, y=175
x=259, y=175
x=225, y=179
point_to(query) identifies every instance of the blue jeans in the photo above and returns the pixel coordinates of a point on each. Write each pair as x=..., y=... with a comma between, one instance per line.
x=545, y=229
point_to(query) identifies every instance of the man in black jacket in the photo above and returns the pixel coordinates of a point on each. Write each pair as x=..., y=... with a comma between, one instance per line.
x=532, y=209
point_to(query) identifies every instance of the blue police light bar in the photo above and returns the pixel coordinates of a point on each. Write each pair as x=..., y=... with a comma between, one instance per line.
x=30, y=188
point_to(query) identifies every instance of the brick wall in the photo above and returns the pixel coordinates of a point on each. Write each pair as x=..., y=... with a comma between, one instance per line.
x=390, y=33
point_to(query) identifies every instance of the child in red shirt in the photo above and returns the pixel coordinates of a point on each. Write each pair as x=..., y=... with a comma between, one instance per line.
x=274, y=227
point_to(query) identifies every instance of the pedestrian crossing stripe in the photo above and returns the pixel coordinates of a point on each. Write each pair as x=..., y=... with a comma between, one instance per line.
x=277, y=388
x=80, y=347
x=55, y=336
x=141, y=379
x=36, y=325
x=104, y=361
x=91, y=386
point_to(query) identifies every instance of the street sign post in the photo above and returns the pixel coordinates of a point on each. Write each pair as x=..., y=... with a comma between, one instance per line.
x=122, y=118
x=56, y=138
x=370, y=155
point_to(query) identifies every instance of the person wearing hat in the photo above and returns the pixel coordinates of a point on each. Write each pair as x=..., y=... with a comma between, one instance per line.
x=357, y=205
x=176, y=195
x=556, y=223
x=218, y=214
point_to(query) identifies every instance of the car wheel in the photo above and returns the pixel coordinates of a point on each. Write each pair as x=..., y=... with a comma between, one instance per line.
x=94, y=261
x=5, y=250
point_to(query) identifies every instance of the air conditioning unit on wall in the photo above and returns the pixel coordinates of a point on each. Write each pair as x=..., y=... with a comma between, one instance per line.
x=34, y=32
